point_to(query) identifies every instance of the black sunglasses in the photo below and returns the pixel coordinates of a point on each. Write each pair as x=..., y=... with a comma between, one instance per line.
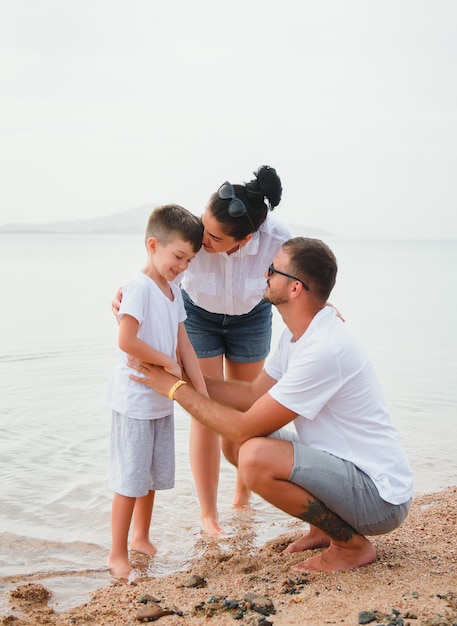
x=272, y=270
x=236, y=207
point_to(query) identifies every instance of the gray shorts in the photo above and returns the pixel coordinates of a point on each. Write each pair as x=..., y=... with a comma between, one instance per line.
x=343, y=488
x=142, y=455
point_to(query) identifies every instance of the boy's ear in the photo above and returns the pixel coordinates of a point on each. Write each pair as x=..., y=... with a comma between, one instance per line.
x=151, y=244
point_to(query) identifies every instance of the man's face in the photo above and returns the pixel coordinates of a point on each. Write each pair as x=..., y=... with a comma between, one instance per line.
x=277, y=291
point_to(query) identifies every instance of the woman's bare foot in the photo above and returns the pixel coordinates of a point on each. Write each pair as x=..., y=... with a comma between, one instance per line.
x=242, y=495
x=340, y=556
x=120, y=567
x=241, y=502
x=144, y=546
x=211, y=527
x=313, y=539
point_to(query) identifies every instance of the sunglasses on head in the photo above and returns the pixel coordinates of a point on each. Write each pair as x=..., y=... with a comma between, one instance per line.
x=272, y=270
x=236, y=207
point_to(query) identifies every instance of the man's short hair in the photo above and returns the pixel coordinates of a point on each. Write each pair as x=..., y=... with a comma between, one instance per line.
x=314, y=263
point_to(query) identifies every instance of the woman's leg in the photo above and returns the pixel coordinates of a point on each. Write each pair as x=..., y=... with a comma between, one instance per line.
x=247, y=372
x=205, y=458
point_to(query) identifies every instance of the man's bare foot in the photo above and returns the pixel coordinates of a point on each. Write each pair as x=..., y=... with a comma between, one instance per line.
x=357, y=552
x=144, y=546
x=120, y=567
x=211, y=527
x=313, y=539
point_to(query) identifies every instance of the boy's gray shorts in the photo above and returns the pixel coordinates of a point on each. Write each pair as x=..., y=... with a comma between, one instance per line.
x=142, y=455
x=343, y=488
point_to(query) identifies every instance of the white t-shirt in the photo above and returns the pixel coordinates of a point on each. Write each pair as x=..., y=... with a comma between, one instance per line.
x=326, y=378
x=233, y=284
x=158, y=319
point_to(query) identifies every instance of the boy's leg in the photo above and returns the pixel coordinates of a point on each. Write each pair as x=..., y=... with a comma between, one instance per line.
x=121, y=516
x=142, y=514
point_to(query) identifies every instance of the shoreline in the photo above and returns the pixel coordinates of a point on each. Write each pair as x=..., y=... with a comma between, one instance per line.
x=413, y=578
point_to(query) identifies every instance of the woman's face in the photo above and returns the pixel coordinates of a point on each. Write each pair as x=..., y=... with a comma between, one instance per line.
x=215, y=240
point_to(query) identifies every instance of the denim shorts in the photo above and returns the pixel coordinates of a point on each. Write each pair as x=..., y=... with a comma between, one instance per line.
x=343, y=488
x=241, y=338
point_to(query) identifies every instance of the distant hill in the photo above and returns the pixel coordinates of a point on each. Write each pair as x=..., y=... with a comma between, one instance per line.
x=129, y=222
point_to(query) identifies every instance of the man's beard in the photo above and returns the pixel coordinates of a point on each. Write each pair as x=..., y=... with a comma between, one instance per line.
x=275, y=298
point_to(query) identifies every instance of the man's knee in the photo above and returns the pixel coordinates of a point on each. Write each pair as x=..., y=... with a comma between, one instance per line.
x=251, y=459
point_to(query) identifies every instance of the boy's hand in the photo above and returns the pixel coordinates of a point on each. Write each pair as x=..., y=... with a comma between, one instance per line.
x=175, y=370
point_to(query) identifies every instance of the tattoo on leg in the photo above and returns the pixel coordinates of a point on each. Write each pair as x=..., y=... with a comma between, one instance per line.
x=330, y=523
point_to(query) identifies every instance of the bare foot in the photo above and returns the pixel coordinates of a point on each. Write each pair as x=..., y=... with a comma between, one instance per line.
x=340, y=557
x=120, y=567
x=242, y=498
x=241, y=505
x=211, y=527
x=144, y=546
x=313, y=539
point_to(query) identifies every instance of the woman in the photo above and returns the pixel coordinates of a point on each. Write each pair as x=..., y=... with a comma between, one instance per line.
x=228, y=322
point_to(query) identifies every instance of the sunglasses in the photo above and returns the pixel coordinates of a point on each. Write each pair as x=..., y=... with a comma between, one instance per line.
x=272, y=270
x=236, y=207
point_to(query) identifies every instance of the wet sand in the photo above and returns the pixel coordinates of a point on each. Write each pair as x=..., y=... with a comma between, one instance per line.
x=414, y=579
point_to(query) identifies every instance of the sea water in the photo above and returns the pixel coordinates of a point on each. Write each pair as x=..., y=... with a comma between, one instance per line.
x=57, y=348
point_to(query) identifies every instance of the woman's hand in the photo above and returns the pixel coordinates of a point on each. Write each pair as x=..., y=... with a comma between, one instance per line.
x=116, y=302
x=153, y=376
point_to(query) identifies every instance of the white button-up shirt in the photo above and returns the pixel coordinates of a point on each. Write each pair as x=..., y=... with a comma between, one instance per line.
x=233, y=284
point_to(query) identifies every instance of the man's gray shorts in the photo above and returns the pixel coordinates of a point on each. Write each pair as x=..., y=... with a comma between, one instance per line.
x=343, y=488
x=142, y=455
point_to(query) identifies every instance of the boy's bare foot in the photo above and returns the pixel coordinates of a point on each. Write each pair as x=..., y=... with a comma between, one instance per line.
x=211, y=527
x=144, y=546
x=313, y=539
x=120, y=567
x=340, y=557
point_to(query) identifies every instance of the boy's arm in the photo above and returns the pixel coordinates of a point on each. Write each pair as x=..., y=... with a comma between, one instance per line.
x=189, y=360
x=131, y=344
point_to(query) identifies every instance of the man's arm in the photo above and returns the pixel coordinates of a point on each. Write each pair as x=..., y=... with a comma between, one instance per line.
x=239, y=394
x=264, y=417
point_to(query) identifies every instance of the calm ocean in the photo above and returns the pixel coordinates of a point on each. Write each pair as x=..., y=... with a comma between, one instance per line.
x=57, y=343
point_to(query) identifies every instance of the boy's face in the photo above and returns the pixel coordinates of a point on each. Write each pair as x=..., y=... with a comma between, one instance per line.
x=170, y=259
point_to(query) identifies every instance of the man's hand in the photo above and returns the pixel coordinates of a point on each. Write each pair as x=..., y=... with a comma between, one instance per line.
x=154, y=376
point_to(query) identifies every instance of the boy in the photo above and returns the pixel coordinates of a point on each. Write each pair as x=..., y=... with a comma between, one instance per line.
x=151, y=328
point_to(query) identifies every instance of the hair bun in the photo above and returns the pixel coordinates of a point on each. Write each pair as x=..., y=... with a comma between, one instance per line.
x=268, y=183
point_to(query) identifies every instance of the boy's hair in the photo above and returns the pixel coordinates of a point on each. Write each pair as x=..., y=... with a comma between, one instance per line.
x=314, y=263
x=170, y=221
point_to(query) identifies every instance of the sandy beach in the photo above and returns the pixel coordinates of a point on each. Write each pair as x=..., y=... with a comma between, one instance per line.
x=413, y=581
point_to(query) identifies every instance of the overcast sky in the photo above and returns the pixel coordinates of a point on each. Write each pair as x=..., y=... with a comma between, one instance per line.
x=107, y=105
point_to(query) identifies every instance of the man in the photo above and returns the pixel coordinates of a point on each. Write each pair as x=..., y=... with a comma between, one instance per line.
x=345, y=473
